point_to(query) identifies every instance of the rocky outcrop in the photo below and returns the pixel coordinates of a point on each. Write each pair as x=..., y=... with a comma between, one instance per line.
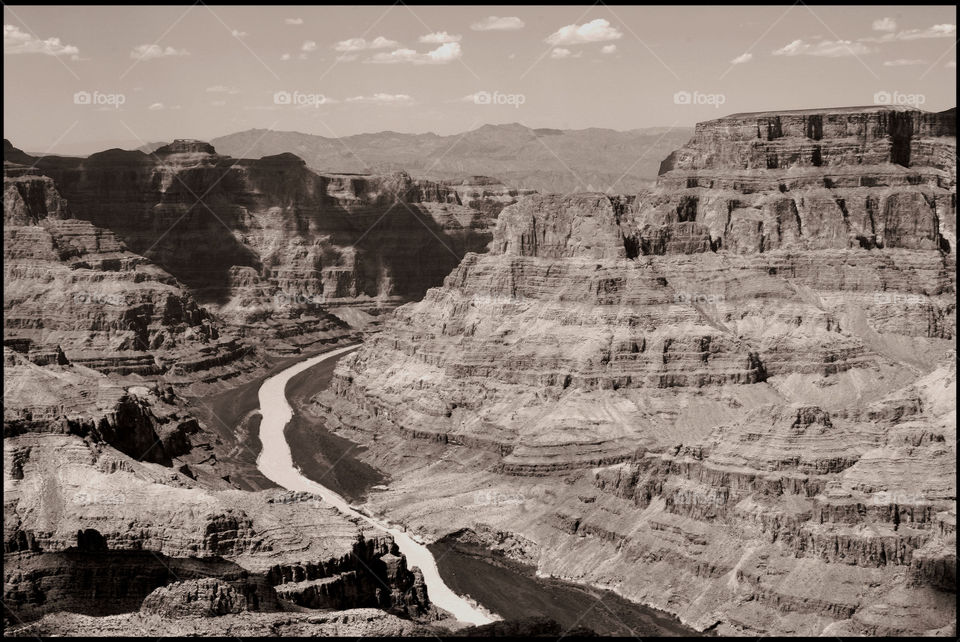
x=74, y=290
x=271, y=246
x=207, y=597
x=364, y=622
x=744, y=376
x=815, y=179
x=90, y=530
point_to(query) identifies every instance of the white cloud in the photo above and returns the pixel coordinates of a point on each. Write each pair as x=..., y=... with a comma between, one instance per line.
x=562, y=52
x=346, y=57
x=609, y=49
x=742, y=58
x=439, y=37
x=443, y=54
x=936, y=31
x=945, y=30
x=18, y=42
x=285, y=56
x=360, y=44
x=885, y=24
x=218, y=103
x=493, y=23
x=598, y=30
x=308, y=45
x=904, y=62
x=951, y=64
x=239, y=34
x=824, y=48
x=397, y=55
x=149, y=52
x=155, y=107
x=293, y=21
x=383, y=99
x=222, y=89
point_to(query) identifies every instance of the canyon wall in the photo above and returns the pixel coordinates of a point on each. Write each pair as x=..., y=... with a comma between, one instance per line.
x=744, y=379
x=90, y=530
x=74, y=292
x=125, y=291
x=269, y=244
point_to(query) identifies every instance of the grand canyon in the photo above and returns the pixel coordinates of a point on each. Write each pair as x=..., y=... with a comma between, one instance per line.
x=671, y=381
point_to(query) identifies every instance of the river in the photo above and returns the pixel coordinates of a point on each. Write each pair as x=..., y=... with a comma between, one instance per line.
x=276, y=463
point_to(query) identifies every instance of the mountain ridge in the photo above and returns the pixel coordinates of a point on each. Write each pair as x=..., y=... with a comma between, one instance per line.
x=591, y=159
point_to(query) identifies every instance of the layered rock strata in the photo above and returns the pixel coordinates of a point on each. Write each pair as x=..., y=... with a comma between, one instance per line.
x=269, y=244
x=744, y=376
x=75, y=291
x=118, y=501
x=90, y=530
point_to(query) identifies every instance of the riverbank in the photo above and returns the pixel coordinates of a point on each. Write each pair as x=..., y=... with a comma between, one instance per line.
x=507, y=587
x=321, y=455
x=233, y=415
x=514, y=590
x=276, y=463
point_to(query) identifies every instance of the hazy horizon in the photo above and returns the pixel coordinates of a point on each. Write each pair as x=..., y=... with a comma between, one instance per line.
x=90, y=147
x=153, y=74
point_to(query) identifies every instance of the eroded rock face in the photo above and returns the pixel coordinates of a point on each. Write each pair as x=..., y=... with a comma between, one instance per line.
x=207, y=597
x=164, y=541
x=269, y=245
x=880, y=177
x=745, y=376
x=116, y=496
x=365, y=622
x=74, y=293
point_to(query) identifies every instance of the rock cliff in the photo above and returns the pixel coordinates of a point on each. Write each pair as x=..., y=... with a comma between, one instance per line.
x=91, y=530
x=119, y=502
x=270, y=245
x=74, y=290
x=745, y=377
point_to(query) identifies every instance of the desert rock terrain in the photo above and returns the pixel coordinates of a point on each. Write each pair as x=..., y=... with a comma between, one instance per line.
x=731, y=396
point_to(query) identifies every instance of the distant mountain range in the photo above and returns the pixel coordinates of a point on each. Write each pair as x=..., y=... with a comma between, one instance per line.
x=548, y=160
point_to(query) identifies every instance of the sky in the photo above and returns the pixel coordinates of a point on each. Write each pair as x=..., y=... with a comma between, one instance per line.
x=80, y=79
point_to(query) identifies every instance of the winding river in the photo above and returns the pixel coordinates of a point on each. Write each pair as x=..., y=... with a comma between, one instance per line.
x=276, y=463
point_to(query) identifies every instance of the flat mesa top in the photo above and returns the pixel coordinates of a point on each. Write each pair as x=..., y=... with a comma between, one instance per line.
x=827, y=110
